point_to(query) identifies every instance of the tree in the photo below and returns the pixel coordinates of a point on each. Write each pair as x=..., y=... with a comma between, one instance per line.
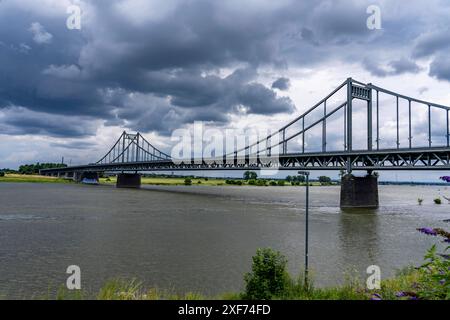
x=2, y=174
x=324, y=180
x=269, y=277
x=187, y=181
x=300, y=179
x=289, y=179
x=250, y=175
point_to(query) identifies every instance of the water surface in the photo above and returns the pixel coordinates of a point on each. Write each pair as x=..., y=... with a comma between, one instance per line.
x=200, y=238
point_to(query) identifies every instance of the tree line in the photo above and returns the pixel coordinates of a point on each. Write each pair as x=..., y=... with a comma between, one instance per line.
x=33, y=168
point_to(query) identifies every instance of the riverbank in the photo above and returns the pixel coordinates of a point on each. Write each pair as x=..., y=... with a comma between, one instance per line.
x=158, y=181
x=119, y=289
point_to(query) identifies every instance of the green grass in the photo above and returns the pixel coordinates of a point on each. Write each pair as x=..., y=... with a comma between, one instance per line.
x=159, y=181
x=33, y=179
x=120, y=289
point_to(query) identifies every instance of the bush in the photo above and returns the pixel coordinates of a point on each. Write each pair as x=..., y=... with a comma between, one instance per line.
x=250, y=175
x=280, y=183
x=187, y=181
x=273, y=183
x=252, y=182
x=269, y=277
x=239, y=182
x=199, y=182
x=2, y=174
x=261, y=182
x=324, y=180
x=437, y=201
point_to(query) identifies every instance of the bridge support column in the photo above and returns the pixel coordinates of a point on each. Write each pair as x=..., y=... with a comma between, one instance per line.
x=128, y=180
x=359, y=192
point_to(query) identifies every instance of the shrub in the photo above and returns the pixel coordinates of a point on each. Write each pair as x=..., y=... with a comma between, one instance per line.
x=2, y=174
x=273, y=183
x=269, y=277
x=239, y=182
x=187, y=181
x=280, y=183
x=437, y=201
x=252, y=182
x=199, y=182
x=261, y=182
x=250, y=175
x=324, y=180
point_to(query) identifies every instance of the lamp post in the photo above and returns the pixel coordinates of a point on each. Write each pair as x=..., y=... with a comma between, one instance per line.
x=306, y=175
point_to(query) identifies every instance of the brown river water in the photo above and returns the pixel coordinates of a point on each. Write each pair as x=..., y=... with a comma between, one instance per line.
x=201, y=238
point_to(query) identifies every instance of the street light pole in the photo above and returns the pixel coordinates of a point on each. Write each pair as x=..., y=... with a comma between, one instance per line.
x=306, y=174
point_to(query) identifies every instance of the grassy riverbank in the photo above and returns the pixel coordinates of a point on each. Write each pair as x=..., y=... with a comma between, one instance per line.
x=163, y=181
x=351, y=290
x=32, y=179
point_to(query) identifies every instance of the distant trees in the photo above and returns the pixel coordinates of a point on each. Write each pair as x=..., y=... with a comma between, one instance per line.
x=250, y=175
x=2, y=174
x=187, y=181
x=294, y=179
x=34, y=168
x=324, y=180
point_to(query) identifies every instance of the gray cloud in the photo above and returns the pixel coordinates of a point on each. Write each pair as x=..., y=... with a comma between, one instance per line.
x=281, y=84
x=158, y=71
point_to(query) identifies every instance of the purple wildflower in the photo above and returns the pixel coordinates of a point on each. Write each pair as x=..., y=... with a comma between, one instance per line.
x=400, y=294
x=445, y=178
x=376, y=296
x=429, y=231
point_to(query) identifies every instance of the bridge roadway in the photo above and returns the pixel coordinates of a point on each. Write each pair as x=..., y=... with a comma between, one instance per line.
x=389, y=159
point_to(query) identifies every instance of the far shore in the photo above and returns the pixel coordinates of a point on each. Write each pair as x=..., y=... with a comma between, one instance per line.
x=204, y=181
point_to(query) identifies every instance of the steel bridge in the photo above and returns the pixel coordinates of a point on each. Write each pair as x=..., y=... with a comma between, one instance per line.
x=289, y=148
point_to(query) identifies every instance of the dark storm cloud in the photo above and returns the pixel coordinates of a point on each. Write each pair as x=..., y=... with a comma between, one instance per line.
x=440, y=67
x=281, y=84
x=395, y=67
x=18, y=121
x=154, y=66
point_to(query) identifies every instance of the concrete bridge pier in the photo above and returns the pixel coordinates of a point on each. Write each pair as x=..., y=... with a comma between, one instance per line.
x=128, y=180
x=359, y=192
x=79, y=176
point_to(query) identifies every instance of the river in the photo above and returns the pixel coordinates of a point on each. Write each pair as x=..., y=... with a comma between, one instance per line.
x=201, y=238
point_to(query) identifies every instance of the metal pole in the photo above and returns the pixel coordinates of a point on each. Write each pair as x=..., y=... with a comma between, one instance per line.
x=349, y=114
x=306, y=229
x=306, y=175
x=409, y=124
x=398, y=126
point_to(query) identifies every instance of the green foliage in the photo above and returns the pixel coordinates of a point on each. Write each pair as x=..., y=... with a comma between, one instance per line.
x=252, y=182
x=261, y=182
x=437, y=201
x=2, y=174
x=324, y=180
x=298, y=179
x=34, y=168
x=235, y=182
x=268, y=278
x=434, y=279
x=188, y=181
x=289, y=178
x=273, y=183
x=250, y=175
x=280, y=183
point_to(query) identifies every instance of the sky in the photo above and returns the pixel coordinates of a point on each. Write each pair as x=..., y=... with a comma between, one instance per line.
x=158, y=66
